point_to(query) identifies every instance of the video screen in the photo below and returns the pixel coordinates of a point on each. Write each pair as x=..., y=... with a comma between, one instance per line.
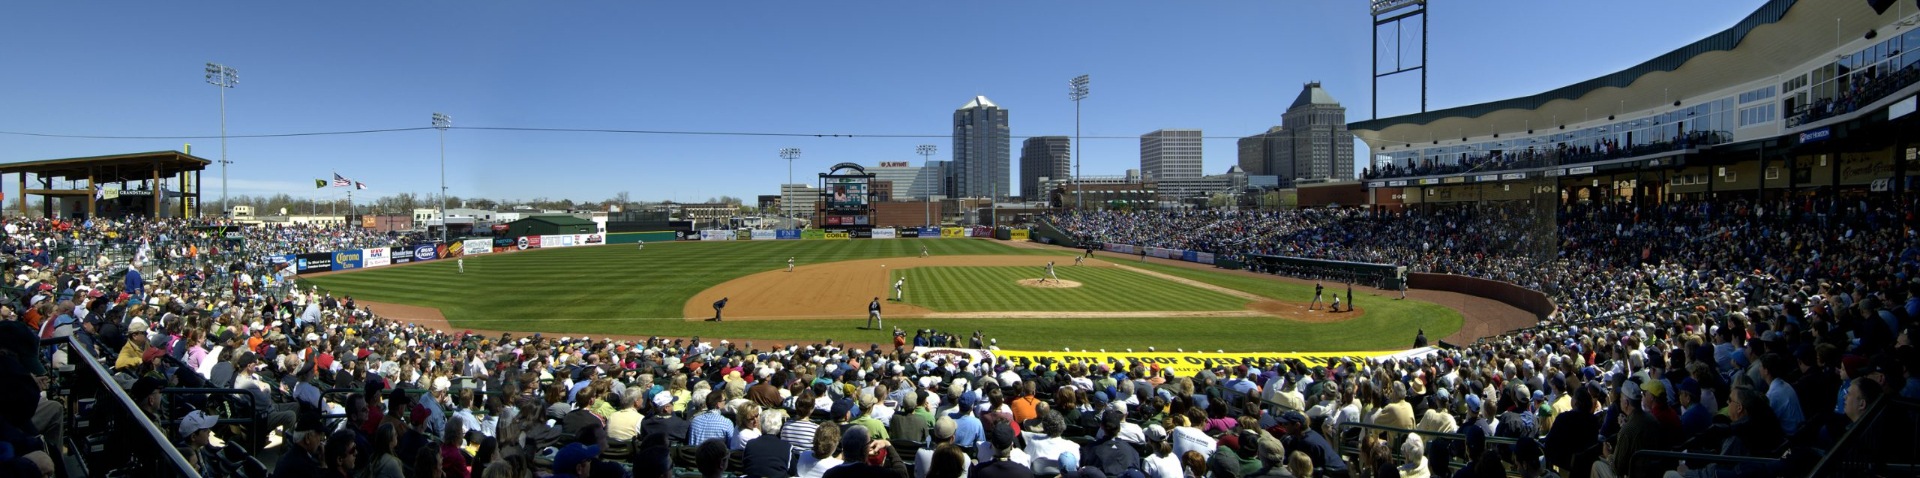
x=847, y=195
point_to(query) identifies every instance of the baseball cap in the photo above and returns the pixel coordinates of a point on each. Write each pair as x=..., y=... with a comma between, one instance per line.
x=1112, y=419
x=1293, y=417
x=943, y=428
x=856, y=438
x=574, y=454
x=196, y=421
x=842, y=407
x=1000, y=435
x=1156, y=433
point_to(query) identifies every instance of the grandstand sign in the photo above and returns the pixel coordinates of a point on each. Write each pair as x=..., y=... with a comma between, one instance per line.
x=1396, y=183
x=1903, y=108
x=1512, y=176
x=1581, y=170
x=1454, y=180
x=1377, y=184
x=1429, y=181
x=1816, y=136
x=1486, y=178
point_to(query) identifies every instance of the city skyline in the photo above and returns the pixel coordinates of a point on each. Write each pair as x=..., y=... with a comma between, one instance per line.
x=769, y=68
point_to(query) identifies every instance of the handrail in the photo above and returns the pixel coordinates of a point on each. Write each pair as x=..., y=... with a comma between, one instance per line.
x=152, y=432
x=1849, y=439
x=1640, y=457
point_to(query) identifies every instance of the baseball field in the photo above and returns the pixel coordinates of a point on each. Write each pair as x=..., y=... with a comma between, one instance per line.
x=667, y=289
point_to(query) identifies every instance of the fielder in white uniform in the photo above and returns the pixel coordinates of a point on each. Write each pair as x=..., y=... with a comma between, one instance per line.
x=897, y=286
x=1050, y=275
x=923, y=251
x=789, y=264
x=462, y=262
x=643, y=245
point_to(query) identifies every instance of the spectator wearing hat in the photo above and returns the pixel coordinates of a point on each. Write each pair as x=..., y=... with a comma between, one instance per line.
x=1109, y=454
x=1003, y=464
x=1160, y=461
x=968, y=431
x=576, y=459
x=941, y=437
x=1306, y=439
x=1639, y=432
x=303, y=458
x=245, y=378
x=1694, y=416
x=132, y=354
x=869, y=405
x=915, y=424
x=1237, y=456
x=196, y=434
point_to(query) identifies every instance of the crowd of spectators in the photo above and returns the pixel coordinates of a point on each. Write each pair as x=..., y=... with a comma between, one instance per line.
x=1561, y=154
x=1685, y=326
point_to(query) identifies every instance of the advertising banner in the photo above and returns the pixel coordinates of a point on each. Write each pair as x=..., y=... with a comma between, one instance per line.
x=375, y=257
x=1118, y=248
x=1163, y=253
x=505, y=242
x=1191, y=363
x=764, y=235
x=425, y=252
x=313, y=262
x=400, y=255
x=787, y=234
x=930, y=232
x=346, y=260
x=588, y=240
x=1189, y=256
x=455, y=249
x=884, y=233
x=907, y=233
x=836, y=236
x=1017, y=235
x=953, y=232
x=861, y=233
x=980, y=231
x=528, y=242
x=716, y=235
x=280, y=259
x=477, y=247
x=1202, y=257
x=813, y=234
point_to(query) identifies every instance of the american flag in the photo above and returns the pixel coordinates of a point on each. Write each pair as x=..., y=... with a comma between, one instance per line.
x=341, y=181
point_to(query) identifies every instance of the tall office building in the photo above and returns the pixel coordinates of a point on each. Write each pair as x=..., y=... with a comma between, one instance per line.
x=905, y=178
x=935, y=180
x=1311, y=142
x=1170, y=154
x=982, y=150
x=1044, y=157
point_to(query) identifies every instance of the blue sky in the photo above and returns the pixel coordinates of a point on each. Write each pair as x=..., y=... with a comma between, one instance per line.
x=849, y=67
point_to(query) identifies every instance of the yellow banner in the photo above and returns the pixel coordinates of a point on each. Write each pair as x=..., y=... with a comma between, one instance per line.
x=840, y=236
x=953, y=232
x=1189, y=363
x=1017, y=235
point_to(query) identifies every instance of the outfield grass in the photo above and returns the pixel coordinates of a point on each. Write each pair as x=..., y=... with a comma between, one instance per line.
x=1103, y=289
x=618, y=290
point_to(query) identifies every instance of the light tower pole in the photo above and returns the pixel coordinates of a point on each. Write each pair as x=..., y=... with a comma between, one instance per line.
x=223, y=77
x=442, y=122
x=926, y=154
x=790, y=154
x=1077, y=90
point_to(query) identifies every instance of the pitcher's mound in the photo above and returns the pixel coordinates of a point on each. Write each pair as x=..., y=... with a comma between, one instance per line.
x=1049, y=284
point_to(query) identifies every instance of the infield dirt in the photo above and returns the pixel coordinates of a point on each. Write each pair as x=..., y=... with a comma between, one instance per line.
x=840, y=290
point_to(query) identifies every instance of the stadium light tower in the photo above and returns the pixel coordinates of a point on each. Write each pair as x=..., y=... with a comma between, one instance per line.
x=1077, y=91
x=790, y=154
x=442, y=122
x=926, y=154
x=224, y=77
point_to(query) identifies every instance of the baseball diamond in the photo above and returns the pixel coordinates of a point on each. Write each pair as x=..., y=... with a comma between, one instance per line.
x=965, y=284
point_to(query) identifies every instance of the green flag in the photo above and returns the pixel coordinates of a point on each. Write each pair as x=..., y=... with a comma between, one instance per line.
x=319, y=183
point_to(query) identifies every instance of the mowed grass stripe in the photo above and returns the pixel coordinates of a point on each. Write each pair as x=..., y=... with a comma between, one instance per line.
x=996, y=289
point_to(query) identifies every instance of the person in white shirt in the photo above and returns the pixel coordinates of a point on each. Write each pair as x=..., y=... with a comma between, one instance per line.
x=1187, y=437
x=1044, y=445
x=1160, y=461
x=824, y=455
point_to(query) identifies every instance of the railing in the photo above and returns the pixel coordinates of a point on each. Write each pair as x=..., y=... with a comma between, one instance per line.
x=1457, y=442
x=1552, y=158
x=112, y=437
x=1892, y=414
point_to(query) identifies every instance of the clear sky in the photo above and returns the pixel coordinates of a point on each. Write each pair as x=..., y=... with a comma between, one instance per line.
x=121, y=68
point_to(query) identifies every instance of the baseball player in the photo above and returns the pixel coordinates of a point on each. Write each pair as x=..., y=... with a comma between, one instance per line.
x=923, y=250
x=1403, y=281
x=462, y=262
x=1079, y=259
x=1317, y=288
x=1050, y=275
x=898, y=285
x=789, y=264
x=717, y=305
x=1349, y=297
x=643, y=245
x=1336, y=303
x=873, y=314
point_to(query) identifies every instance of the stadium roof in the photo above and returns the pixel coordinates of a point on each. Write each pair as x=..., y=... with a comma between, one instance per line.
x=1779, y=35
x=111, y=168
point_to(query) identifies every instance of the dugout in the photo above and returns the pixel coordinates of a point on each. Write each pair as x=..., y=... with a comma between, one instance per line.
x=552, y=225
x=1385, y=276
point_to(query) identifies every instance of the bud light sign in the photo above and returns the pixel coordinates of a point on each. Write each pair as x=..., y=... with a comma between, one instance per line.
x=424, y=252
